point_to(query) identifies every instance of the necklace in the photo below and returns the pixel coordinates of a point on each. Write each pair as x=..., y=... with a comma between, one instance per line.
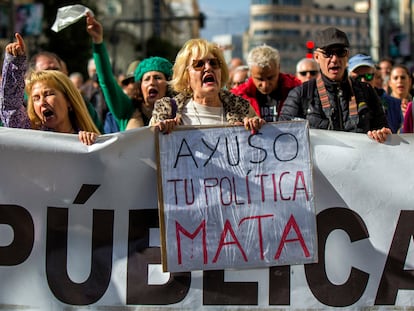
x=196, y=114
x=209, y=116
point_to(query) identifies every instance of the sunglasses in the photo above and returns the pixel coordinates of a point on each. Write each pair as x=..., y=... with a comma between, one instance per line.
x=328, y=53
x=198, y=64
x=128, y=81
x=365, y=76
x=311, y=72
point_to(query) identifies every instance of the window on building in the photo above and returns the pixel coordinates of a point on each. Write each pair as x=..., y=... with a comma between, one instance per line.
x=289, y=2
x=276, y=18
x=262, y=2
x=353, y=21
x=322, y=19
x=337, y=20
x=279, y=2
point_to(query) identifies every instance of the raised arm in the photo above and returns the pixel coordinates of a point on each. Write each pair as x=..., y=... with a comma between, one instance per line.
x=94, y=29
x=117, y=101
x=12, y=110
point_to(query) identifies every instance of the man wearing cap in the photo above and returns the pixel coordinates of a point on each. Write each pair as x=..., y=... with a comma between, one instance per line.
x=361, y=67
x=152, y=73
x=333, y=101
x=128, y=80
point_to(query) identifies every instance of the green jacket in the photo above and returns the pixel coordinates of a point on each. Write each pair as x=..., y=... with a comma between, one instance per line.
x=119, y=104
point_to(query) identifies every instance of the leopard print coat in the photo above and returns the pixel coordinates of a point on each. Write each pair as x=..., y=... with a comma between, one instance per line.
x=235, y=107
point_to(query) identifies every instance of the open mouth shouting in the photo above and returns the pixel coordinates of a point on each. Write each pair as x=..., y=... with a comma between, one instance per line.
x=47, y=114
x=153, y=93
x=334, y=69
x=209, y=79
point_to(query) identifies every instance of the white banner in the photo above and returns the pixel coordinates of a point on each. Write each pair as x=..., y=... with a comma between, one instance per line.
x=79, y=230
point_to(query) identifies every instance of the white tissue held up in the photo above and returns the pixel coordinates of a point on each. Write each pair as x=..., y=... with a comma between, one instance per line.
x=69, y=15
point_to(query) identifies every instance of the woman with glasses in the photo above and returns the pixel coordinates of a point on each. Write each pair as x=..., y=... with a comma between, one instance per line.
x=333, y=101
x=199, y=75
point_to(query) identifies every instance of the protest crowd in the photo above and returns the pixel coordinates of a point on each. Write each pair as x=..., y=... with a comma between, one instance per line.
x=333, y=90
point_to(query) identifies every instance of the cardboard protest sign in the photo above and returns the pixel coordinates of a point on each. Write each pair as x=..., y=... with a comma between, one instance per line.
x=230, y=199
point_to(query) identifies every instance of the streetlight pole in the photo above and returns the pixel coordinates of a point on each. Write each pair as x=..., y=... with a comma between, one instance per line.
x=410, y=31
x=374, y=29
x=386, y=29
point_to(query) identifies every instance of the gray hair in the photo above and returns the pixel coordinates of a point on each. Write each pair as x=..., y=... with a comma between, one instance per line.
x=91, y=63
x=263, y=56
x=76, y=74
x=241, y=68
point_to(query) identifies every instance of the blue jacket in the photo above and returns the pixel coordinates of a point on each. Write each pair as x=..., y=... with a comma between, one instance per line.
x=393, y=112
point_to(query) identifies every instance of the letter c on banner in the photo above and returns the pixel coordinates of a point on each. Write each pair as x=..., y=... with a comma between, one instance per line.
x=325, y=291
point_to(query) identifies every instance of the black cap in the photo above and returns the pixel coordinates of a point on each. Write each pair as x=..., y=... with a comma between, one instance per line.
x=331, y=36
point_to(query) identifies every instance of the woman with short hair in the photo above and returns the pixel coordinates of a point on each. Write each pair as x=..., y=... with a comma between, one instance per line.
x=200, y=74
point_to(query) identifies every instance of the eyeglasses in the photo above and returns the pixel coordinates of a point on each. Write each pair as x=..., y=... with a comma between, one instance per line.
x=311, y=72
x=128, y=81
x=198, y=64
x=328, y=53
x=365, y=76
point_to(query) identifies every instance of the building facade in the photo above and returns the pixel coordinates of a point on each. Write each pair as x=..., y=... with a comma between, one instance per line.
x=384, y=28
x=393, y=34
x=232, y=46
x=288, y=24
x=134, y=22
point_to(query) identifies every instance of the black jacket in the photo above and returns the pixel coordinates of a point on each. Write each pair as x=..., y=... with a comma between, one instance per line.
x=304, y=102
